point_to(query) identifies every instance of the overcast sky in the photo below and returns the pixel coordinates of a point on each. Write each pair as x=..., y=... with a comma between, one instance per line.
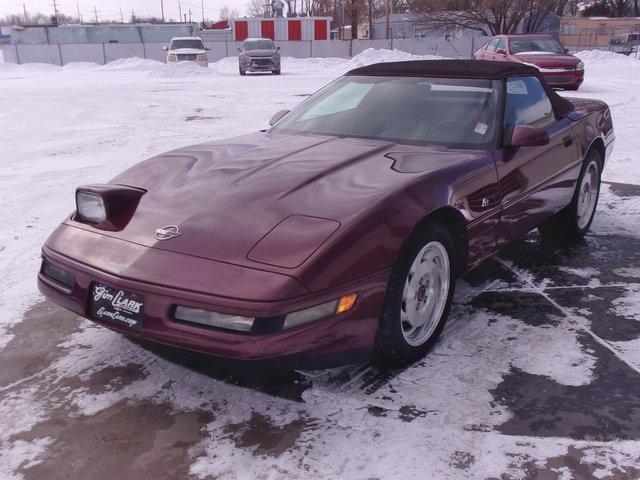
x=110, y=9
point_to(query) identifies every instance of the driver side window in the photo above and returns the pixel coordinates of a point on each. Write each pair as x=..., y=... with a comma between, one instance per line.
x=527, y=103
x=491, y=46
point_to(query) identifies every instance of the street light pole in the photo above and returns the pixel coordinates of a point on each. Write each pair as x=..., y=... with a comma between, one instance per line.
x=162, y=9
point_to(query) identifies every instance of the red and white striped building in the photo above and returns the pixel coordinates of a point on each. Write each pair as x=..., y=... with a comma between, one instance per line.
x=284, y=29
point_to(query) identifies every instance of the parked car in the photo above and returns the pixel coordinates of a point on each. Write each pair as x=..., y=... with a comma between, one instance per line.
x=340, y=231
x=557, y=66
x=259, y=55
x=187, y=49
x=625, y=44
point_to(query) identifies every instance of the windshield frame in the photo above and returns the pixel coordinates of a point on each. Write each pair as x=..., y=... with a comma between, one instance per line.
x=491, y=143
x=173, y=47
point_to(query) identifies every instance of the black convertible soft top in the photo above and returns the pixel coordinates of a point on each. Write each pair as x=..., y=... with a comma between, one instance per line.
x=464, y=69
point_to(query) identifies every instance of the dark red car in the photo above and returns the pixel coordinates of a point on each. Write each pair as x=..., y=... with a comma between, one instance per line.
x=558, y=68
x=341, y=230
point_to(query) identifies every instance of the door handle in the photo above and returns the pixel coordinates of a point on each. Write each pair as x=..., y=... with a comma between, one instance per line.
x=568, y=140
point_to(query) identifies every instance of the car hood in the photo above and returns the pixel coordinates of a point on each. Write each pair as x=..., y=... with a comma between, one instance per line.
x=549, y=60
x=260, y=53
x=226, y=196
x=187, y=51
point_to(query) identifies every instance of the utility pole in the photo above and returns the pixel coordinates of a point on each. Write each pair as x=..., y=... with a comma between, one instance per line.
x=202, y=6
x=387, y=15
x=162, y=9
x=121, y=16
x=370, y=18
x=26, y=17
x=180, y=10
x=95, y=12
x=133, y=16
x=78, y=11
x=55, y=11
x=189, y=15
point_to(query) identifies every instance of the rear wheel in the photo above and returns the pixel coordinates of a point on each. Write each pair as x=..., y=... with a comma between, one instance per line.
x=573, y=222
x=276, y=72
x=418, y=297
x=242, y=72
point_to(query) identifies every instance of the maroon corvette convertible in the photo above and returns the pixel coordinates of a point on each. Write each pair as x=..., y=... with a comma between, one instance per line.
x=339, y=232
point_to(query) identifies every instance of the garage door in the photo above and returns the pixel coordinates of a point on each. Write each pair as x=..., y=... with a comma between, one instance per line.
x=242, y=31
x=295, y=30
x=320, y=29
x=268, y=29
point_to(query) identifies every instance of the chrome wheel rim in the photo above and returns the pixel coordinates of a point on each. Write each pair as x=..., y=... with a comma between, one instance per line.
x=425, y=293
x=588, y=195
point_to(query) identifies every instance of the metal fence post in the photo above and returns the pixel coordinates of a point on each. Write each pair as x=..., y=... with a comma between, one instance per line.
x=60, y=55
x=17, y=54
x=104, y=56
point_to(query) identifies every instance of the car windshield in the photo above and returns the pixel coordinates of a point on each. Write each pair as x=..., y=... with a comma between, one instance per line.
x=259, y=45
x=195, y=44
x=440, y=111
x=535, y=45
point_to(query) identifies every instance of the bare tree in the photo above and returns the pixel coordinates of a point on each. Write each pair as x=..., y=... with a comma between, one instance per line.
x=226, y=13
x=257, y=8
x=36, y=19
x=489, y=17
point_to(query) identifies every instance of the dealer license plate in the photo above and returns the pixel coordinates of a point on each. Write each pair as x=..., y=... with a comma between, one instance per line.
x=112, y=305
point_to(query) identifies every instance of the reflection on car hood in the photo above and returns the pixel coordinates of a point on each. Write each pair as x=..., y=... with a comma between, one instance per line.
x=226, y=196
x=547, y=60
x=260, y=53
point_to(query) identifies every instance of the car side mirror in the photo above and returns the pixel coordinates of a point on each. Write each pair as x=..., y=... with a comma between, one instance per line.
x=527, y=136
x=239, y=49
x=277, y=117
x=277, y=49
x=207, y=48
x=165, y=48
x=501, y=51
x=566, y=51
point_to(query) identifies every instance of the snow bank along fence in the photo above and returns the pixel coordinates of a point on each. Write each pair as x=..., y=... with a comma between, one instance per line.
x=63, y=53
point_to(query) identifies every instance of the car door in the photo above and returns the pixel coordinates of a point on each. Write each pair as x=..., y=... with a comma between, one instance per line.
x=534, y=182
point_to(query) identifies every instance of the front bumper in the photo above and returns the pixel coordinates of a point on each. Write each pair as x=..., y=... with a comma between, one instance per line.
x=563, y=78
x=324, y=343
x=202, y=63
x=260, y=65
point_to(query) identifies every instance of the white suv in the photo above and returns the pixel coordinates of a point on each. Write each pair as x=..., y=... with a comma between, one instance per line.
x=187, y=49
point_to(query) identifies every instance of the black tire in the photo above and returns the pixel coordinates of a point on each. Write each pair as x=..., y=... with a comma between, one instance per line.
x=567, y=224
x=276, y=72
x=392, y=348
x=242, y=72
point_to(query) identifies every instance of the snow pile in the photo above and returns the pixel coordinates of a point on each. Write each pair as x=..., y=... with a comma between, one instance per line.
x=607, y=59
x=372, y=55
x=133, y=64
x=179, y=70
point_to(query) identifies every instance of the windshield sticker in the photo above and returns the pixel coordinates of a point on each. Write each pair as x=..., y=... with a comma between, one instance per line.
x=481, y=128
x=517, y=87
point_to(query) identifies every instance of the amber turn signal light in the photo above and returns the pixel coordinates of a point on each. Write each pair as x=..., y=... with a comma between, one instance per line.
x=346, y=303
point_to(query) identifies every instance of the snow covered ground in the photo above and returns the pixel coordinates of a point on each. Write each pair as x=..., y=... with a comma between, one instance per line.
x=459, y=413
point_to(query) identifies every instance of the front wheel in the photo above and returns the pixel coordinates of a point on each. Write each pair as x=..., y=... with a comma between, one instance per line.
x=573, y=222
x=242, y=72
x=418, y=298
x=276, y=71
